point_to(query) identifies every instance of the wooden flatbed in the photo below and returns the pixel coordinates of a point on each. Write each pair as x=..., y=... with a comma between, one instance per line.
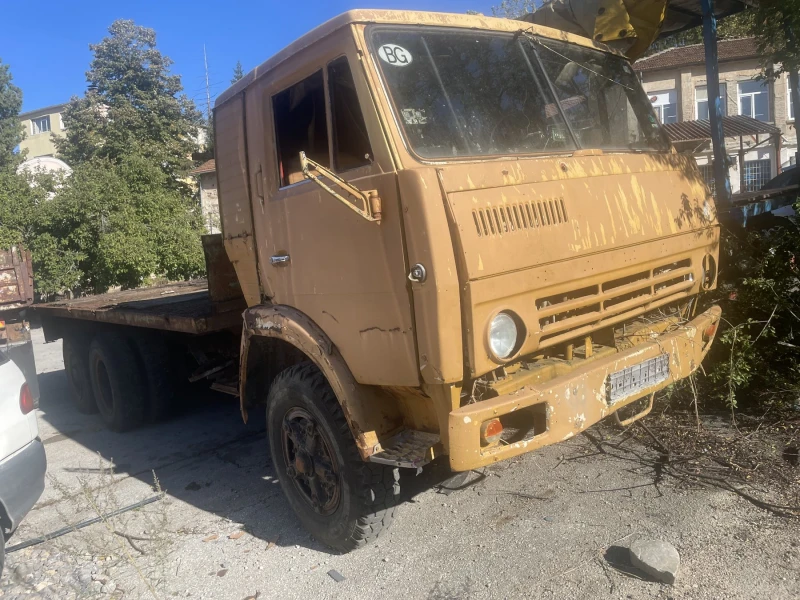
x=181, y=307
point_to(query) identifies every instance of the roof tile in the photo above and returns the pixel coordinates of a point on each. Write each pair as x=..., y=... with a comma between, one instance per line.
x=682, y=56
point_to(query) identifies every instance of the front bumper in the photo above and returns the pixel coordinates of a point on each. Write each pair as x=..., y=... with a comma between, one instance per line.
x=575, y=400
x=22, y=480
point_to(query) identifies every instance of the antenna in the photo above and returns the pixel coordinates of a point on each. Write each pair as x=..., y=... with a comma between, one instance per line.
x=208, y=93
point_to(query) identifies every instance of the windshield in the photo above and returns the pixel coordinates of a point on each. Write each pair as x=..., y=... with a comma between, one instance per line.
x=464, y=93
x=601, y=98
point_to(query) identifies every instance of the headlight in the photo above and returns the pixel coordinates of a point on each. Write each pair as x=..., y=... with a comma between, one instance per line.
x=502, y=335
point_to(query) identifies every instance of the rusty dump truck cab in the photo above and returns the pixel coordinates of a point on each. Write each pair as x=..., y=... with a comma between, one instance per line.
x=474, y=227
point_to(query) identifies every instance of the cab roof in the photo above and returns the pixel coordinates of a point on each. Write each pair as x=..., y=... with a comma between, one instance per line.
x=399, y=17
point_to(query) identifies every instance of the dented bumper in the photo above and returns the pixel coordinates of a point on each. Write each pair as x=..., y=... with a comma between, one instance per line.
x=570, y=403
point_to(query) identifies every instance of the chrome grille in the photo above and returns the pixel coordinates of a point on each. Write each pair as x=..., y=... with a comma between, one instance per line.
x=519, y=216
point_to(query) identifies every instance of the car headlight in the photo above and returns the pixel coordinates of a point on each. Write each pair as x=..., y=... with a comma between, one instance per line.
x=502, y=335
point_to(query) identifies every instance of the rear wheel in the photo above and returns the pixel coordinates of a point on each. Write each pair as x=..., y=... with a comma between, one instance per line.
x=343, y=501
x=76, y=366
x=117, y=382
x=157, y=361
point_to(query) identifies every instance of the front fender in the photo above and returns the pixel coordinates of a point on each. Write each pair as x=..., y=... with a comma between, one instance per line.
x=371, y=413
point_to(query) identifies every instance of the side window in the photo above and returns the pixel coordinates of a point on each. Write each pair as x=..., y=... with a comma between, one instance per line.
x=351, y=147
x=300, y=124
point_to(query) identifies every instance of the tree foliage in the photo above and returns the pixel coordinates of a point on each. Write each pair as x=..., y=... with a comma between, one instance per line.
x=755, y=360
x=238, y=72
x=735, y=26
x=10, y=105
x=512, y=9
x=776, y=25
x=133, y=105
x=126, y=214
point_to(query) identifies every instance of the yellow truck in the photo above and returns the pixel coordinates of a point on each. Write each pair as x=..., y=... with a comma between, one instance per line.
x=444, y=235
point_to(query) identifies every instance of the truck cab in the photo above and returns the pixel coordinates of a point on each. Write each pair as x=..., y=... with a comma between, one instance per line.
x=456, y=235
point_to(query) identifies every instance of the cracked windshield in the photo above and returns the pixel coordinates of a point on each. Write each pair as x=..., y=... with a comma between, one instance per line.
x=462, y=93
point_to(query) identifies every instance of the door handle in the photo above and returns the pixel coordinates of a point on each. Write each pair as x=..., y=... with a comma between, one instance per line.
x=279, y=260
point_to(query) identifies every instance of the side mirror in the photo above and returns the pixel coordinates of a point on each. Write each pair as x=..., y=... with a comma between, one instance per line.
x=370, y=202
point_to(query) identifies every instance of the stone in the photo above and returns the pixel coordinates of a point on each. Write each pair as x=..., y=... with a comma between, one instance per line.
x=109, y=588
x=22, y=570
x=658, y=559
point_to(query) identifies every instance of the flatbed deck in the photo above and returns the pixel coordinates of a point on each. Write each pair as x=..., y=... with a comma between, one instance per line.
x=184, y=306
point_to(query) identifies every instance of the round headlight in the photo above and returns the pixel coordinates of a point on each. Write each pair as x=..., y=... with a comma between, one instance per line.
x=502, y=335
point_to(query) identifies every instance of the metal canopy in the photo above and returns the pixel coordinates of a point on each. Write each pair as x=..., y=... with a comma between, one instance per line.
x=734, y=126
x=687, y=14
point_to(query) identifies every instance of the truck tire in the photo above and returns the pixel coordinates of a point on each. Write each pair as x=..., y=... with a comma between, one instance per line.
x=345, y=502
x=157, y=362
x=76, y=367
x=117, y=382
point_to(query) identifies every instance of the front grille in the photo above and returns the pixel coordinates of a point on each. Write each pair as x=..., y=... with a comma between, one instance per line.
x=519, y=216
x=571, y=312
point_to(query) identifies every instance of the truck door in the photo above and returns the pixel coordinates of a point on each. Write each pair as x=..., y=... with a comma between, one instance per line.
x=345, y=272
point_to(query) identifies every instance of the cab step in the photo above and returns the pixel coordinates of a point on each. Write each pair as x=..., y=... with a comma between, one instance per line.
x=408, y=449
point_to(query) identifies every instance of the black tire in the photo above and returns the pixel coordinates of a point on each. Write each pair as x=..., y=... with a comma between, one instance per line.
x=367, y=492
x=76, y=366
x=117, y=381
x=157, y=364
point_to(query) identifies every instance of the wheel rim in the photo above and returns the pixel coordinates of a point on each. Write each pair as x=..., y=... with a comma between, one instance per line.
x=309, y=461
x=105, y=395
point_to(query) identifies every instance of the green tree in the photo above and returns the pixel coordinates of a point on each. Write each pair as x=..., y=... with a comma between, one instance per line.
x=10, y=128
x=776, y=25
x=512, y=9
x=739, y=25
x=238, y=72
x=126, y=214
x=134, y=104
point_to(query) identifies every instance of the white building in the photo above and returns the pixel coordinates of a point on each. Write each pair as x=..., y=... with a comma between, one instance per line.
x=675, y=79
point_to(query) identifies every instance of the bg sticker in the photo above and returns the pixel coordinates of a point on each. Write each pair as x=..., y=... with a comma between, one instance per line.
x=395, y=55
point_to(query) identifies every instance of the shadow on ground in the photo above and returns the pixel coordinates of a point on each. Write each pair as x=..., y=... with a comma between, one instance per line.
x=205, y=456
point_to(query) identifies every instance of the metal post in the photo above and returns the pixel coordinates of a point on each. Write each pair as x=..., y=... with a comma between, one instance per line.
x=794, y=89
x=723, y=185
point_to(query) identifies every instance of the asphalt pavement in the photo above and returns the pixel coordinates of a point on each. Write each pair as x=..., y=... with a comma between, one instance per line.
x=552, y=524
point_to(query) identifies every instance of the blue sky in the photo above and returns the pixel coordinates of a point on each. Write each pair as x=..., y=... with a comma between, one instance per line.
x=46, y=43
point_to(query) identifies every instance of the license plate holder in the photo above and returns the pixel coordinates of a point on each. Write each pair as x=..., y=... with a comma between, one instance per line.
x=633, y=379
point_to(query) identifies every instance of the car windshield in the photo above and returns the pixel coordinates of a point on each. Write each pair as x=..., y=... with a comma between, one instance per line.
x=463, y=93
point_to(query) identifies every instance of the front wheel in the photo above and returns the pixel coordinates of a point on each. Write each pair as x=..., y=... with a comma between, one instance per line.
x=342, y=500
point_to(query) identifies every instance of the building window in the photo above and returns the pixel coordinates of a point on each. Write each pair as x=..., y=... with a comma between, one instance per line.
x=754, y=100
x=665, y=105
x=756, y=174
x=61, y=121
x=351, y=146
x=789, y=102
x=701, y=101
x=40, y=125
x=300, y=125
x=707, y=171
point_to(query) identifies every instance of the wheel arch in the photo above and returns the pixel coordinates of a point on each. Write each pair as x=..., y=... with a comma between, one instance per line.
x=276, y=337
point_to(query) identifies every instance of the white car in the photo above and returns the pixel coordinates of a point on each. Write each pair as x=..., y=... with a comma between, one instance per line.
x=22, y=458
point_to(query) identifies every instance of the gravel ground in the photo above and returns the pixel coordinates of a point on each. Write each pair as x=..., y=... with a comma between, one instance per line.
x=554, y=524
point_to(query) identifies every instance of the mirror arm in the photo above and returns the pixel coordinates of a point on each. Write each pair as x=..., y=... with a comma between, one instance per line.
x=370, y=199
